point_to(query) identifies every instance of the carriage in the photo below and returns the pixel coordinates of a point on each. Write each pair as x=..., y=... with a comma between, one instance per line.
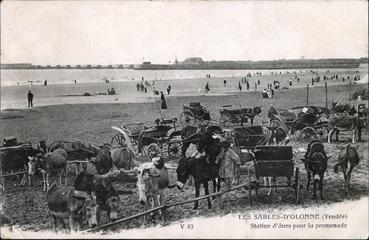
x=194, y=115
x=10, y=153
x=246, y=138
x=275, y=162
x=235, y=116
x=150, y=140
x=304, y=123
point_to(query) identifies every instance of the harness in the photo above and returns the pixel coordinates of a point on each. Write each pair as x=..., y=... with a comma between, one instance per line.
x=314, y=155
x=81, y=209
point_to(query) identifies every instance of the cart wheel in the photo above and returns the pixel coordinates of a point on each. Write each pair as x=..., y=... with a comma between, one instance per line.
x=322, y=135
x=175, y=149
x=297, y=186
x=274, y=124
x=307, y=134
x=187, y=118
x=151, y=150
x=118, y=140
x=203, y=123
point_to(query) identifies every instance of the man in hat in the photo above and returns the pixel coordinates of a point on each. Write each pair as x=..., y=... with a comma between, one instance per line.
x=30, y=98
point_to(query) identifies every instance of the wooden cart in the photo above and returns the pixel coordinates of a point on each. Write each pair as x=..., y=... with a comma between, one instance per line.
x=276, y=161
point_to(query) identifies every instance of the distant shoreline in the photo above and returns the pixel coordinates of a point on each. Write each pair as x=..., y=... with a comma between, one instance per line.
x=199, y=64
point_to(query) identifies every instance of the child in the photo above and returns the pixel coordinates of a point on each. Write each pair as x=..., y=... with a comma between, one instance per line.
x=229, y=163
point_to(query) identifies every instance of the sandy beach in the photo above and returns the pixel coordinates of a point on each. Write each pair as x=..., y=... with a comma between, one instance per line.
x=56, y=94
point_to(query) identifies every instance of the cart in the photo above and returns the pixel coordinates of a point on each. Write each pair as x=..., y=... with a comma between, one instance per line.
x=133, y=130
x=246, y=138
x=275, y=161
x=151, y=140
x=303, y=126
x=11, y=162
x=194, y=115
x=235, y=116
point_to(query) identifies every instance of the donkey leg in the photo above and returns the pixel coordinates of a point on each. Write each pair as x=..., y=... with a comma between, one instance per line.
x=197, y=194
x=308, y=182
x=206, y=186
x=348, y=180
x=316, y=183
x=321, y=176
x=214, y=181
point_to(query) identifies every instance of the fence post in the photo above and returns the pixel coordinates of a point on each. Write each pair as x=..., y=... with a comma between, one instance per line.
x=326, y=98
x=307, y=95
x=249, y=177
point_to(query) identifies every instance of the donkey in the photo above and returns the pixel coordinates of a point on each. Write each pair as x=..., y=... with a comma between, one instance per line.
x=348, y=158
x=343, y=123
x=315, y=161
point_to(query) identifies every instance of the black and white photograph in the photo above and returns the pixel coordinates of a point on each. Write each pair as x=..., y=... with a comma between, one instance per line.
x=184, y=119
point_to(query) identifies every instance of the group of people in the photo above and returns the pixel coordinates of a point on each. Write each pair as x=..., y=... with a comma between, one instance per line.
x=267, y=93
x=141, y=87
x=111, y=91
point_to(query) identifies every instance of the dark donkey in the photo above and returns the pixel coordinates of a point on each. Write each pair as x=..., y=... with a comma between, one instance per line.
x=203, y=168
x=107, y=198
x=348, y=158
x=315, y=161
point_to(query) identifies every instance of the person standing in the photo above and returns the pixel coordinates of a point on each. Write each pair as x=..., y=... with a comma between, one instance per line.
x=258, y=82
x=229, y=165
x=138, y=87
x=239, y=86
x=163, y=102
x=247, y=85
x=30, y=98
x=207, y=88
x=168, y=89
x=256, y=87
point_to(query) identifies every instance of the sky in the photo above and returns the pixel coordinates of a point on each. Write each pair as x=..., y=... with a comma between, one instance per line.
x=122, y=32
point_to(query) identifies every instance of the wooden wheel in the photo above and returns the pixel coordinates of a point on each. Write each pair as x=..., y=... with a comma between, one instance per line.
x=274, y=123
x=151, y=150
x=187, y=118
x=117, y=141
x=297, y=186
x=175, y=149
x=308, y=134
x=204, y=123
x=322, y=134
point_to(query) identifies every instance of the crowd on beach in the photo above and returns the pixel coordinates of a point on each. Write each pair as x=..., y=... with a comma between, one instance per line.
x=250, y=82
